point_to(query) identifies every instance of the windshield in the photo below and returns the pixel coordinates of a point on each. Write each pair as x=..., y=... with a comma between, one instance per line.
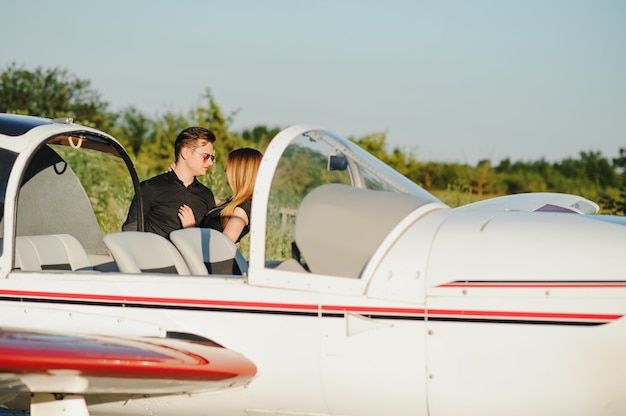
x=315, y=158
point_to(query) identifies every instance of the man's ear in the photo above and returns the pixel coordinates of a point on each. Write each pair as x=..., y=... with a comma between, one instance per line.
x=184, y=153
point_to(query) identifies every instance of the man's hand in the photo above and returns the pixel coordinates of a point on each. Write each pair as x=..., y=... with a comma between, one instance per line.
x=185, y=214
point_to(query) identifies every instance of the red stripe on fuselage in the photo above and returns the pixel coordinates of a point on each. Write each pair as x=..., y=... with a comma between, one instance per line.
x=270, y=307
x=155, y=300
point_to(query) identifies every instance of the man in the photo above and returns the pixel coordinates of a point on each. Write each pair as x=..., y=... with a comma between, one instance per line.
x=173, y=200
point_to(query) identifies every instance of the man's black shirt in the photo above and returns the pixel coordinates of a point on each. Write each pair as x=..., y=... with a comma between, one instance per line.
x=162, y=197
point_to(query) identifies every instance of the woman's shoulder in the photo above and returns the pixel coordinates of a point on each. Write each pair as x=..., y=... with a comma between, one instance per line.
x=246, y=203
x=246, y=206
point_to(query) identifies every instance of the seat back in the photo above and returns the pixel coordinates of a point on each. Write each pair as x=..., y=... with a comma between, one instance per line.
x=50, y=252
x=137, y=252
x=208, y=251
x=339, y=227
x=52, y=200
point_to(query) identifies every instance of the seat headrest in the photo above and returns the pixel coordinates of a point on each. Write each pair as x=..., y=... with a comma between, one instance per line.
x=136, y=252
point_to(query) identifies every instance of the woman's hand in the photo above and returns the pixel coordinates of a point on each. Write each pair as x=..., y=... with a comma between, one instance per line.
x=185, y=214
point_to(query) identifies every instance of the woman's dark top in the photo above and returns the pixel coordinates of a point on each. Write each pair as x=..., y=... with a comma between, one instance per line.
x=213, y=219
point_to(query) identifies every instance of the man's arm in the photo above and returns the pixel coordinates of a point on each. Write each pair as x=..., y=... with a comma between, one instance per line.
x=131, y=220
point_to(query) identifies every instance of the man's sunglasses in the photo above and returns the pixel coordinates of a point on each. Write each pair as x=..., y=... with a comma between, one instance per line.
x=205, y=156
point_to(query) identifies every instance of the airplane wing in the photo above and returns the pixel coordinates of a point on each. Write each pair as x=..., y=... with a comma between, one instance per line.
x=536, y=201
x=52, y=365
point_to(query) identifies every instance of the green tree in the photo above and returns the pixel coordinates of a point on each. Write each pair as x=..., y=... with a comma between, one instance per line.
x=157, y=149
x=404, y=162
x=52, y=93
x=619, y=164
x=373, y=143
x=133, y=128
x=480, y=177
x=430, y=173
x=56, y=93
x=259, y=137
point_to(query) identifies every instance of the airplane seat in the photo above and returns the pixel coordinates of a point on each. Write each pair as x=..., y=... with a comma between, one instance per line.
x=339, y=227
x=50, y=252
x=208, y=251
x=291, y=265
x=144, y=252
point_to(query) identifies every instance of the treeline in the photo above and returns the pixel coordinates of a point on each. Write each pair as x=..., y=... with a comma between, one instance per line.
x=57, y=93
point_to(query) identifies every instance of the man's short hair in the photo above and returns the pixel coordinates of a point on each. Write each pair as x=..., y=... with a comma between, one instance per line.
x=190, y=136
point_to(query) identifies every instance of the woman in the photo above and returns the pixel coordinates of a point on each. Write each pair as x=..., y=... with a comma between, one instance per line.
x=232, y=216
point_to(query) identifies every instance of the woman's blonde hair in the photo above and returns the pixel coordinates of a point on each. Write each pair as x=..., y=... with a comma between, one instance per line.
x=242, y=166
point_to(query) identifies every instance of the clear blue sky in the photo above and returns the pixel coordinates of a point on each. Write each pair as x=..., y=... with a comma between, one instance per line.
x=454, y=81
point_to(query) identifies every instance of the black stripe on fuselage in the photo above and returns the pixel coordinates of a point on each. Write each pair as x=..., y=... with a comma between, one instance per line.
x=432, y=318
x=515, y=321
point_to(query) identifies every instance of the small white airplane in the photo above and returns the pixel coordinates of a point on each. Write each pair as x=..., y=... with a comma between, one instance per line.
x=374, y=298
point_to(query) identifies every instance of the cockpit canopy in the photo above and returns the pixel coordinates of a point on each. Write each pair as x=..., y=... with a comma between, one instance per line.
x=367, y=200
